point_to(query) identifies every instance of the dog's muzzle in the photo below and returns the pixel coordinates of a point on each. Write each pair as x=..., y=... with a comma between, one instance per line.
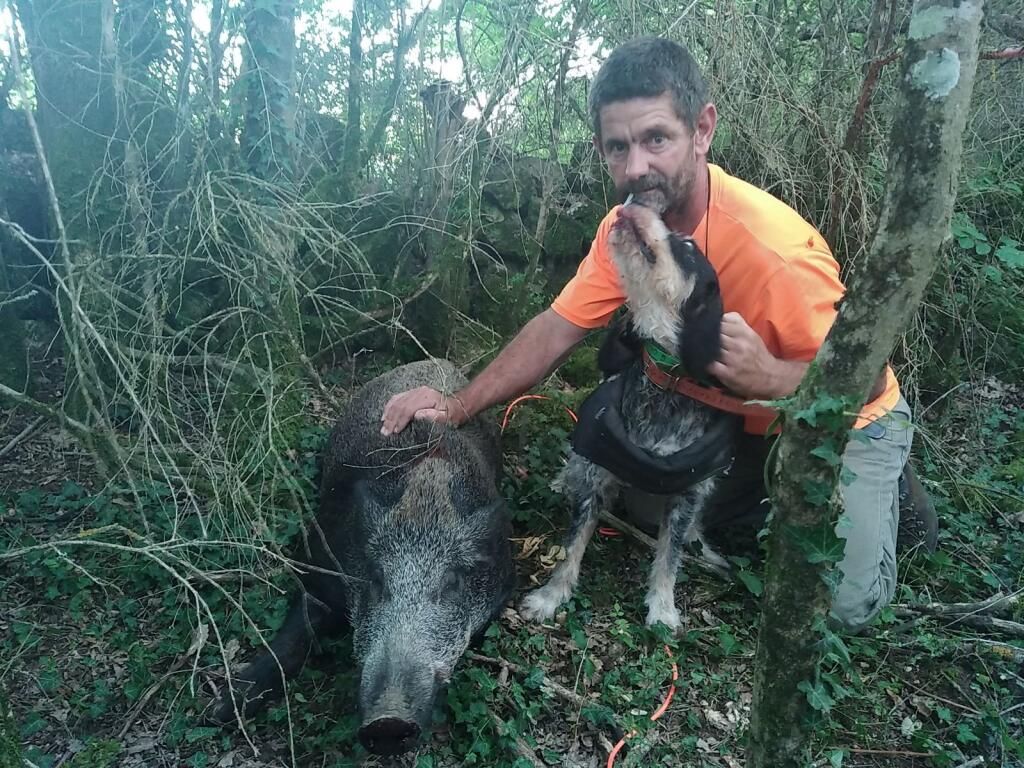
x=600, y=436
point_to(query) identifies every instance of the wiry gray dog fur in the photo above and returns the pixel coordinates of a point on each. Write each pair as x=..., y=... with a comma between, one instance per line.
x=672, y=294
x=415, y=528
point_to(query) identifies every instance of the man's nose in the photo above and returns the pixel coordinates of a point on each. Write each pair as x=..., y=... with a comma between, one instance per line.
x=637, y=165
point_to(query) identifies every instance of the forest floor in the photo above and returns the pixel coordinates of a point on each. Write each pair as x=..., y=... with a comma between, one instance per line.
x=98, y=647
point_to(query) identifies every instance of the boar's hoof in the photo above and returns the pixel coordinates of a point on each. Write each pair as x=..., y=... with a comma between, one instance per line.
x=389, y=735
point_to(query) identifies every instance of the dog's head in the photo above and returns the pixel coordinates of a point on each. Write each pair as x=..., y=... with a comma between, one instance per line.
x=670, y=286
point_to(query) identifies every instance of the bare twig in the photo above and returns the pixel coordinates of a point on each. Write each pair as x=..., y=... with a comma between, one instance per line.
x=635, y=533
x=21, y=436
x=890, y=752
x=546, y=682
x=149, y=694
x=997, y=605
x=630, y=530
x=521, y=747
x=974, y=762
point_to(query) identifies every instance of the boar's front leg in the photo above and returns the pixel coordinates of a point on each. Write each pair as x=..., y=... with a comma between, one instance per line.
x=261, y=681
x=590, y=488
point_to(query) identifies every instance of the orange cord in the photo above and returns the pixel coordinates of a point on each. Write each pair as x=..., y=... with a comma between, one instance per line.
x=660, y=711
x=514, y=403
x=607, y=532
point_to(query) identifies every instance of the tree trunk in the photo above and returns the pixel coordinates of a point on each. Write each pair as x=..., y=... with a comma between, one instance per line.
x=885, y=290
x=354, y=115
x=75, y=94
x=268, y=133
x=13, y=363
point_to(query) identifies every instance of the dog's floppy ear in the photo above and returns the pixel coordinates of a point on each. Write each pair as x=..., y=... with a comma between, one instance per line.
x=701, y=313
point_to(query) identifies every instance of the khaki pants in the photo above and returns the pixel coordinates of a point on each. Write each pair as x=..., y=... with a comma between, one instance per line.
x=868, y=524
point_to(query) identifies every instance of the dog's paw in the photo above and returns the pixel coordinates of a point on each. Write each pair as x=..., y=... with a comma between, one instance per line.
x=663, y=609
x=540, y=605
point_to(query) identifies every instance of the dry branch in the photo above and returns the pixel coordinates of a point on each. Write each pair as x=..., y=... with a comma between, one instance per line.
x=21, y=436
x=998, y=605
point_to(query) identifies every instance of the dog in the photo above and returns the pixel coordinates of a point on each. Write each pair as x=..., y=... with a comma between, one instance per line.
x=633, y=433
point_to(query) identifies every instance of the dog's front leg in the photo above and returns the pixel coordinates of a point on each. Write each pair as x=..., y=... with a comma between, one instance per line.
x=590, y=489
x=683, y=511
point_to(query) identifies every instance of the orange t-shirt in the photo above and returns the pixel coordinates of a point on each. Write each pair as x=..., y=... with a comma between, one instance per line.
x=774, y=269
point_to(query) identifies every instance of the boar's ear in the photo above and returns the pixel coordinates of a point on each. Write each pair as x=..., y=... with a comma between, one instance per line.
x=495, y=527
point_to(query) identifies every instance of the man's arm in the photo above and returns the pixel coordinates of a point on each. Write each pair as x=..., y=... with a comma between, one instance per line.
x=747, y=368
x=541, y=346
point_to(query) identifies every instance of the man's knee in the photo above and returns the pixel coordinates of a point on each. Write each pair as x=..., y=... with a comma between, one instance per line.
x=854, y=607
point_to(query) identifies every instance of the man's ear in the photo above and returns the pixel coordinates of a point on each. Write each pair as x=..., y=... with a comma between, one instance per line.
x=704, y=129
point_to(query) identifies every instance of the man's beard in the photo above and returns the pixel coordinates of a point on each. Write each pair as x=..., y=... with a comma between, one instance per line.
x=657, y=191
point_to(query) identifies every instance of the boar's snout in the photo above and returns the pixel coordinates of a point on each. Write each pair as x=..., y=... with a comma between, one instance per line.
x=389, y=735
x=397, y=697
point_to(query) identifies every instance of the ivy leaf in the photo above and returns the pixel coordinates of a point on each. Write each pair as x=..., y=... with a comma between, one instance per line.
x=817, y=492
x=817, y=696
x=752, y=582
x=827, y=454
x=819, y=545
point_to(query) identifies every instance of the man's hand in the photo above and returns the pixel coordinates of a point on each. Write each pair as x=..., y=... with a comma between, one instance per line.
x=746, y=366
x=421, y=403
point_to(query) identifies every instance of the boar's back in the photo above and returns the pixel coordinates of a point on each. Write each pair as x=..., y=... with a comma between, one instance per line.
x=460, y=464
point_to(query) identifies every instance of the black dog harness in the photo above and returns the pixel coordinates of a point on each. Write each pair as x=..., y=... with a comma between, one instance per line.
x=600, y=436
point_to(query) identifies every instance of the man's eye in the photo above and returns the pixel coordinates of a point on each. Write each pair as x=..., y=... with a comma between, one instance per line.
x=657, y=140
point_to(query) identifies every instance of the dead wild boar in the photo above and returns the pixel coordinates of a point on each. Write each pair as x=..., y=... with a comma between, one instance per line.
x=412, y=542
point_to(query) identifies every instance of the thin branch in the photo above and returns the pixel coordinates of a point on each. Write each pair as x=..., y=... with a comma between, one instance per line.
x=406, y=38
x=997, y=605
x=21, y=436
x=76, y=428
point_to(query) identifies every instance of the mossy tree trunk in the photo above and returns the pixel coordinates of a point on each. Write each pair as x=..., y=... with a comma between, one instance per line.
x=925, y=147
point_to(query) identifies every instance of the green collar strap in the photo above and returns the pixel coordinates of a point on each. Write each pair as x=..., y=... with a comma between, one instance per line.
x=662, y=357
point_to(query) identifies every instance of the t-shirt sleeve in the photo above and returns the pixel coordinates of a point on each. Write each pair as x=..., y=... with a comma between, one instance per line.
x=800, y=306
x=593, y=294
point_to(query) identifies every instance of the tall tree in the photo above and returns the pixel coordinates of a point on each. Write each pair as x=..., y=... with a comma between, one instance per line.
x=925, y=149
x=74, y=92
x=268, y=133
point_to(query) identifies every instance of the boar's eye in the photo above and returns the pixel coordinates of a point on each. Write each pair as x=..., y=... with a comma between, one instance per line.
x=452, y=584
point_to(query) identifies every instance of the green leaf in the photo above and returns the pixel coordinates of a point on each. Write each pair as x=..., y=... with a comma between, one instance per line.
x=820, y=545
x=752, y=582
x=982, y=248
x=835, y=758
x=817, y=492
x=817, y=696
x=992, y=273
x=827, y=454
x=1010, y=253
x=965, y=735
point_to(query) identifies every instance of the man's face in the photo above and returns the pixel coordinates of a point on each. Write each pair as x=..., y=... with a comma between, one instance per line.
x=650, y=151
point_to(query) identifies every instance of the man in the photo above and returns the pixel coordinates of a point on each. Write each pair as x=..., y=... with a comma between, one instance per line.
x=653, y=126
